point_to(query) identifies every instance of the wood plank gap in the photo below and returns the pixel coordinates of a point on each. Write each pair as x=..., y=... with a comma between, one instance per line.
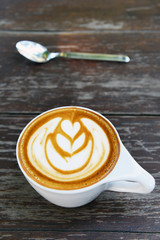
x=104, y=113
x=77, y=231
x=61, y=32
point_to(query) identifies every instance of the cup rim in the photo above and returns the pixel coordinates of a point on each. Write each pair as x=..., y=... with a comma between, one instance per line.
x=70, y=191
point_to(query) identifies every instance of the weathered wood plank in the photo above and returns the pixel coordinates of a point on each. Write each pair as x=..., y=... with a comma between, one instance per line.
x=36, y=235
x=23, y=209
x=70, y=15
x=115, y=88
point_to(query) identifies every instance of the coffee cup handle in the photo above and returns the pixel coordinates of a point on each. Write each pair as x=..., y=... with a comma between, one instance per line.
x=129, y=176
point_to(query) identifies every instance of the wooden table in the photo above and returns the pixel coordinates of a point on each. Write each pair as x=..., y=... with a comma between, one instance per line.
x=128, y=94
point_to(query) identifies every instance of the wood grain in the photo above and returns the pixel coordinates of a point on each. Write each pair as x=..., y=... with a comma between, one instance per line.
x=128, y=94
x=67, y=15
x=60, y=235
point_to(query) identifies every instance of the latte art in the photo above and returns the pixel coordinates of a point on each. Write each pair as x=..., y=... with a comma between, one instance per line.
x=72, y=143
x=68, y=148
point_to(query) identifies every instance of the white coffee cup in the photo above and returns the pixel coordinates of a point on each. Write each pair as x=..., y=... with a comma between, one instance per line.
x=126, y=176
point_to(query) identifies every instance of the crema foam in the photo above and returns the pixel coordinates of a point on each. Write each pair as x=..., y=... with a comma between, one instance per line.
x=68, y=148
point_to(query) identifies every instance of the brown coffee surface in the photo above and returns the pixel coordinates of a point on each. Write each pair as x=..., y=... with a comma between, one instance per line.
x=68, y=148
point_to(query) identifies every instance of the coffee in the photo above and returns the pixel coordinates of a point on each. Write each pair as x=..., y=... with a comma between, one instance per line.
x=68, y=148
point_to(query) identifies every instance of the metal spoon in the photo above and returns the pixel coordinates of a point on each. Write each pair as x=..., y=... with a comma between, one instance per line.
x=38, y=53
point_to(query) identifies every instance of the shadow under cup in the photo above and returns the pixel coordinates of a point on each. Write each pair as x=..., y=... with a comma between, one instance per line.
x=68, y=148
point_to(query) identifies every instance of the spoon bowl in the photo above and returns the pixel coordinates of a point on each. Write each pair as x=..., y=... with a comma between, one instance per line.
x=40, y=54
x=34, y=51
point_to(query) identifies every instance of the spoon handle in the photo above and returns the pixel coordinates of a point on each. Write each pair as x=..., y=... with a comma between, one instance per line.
x=95, y=56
